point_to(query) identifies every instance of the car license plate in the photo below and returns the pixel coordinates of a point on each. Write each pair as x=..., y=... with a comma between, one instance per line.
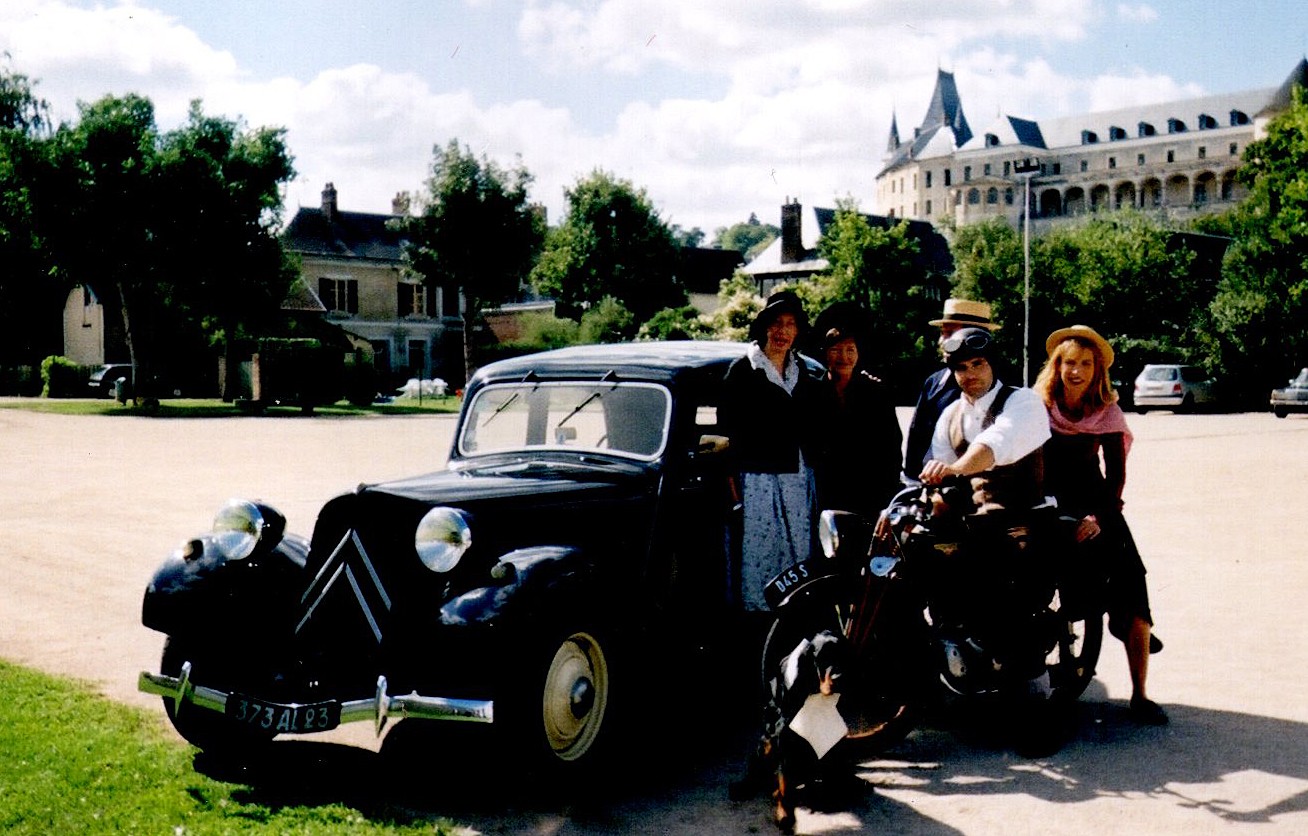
x=284, y=719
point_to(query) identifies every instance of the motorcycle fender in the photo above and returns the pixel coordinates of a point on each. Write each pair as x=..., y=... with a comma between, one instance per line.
x=210, y=592
x=558, y=575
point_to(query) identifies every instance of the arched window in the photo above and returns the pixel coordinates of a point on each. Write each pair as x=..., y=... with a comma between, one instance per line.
x=973, y=197
x=992, y=195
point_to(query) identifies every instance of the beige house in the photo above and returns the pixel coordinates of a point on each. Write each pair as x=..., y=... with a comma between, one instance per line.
x=1177, y=158
x=351, y=264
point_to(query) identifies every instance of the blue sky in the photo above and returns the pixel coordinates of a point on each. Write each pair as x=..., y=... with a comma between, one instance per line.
x=717, y=108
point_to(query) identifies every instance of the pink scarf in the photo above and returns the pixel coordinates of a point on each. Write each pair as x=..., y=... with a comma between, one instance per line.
x=1110, y=419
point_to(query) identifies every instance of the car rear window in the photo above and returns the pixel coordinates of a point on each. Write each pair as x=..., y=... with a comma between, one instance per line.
x=1160, y=373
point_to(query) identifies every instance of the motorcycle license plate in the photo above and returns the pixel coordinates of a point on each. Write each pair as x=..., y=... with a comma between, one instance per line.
x=284, y=719
x=790, y=579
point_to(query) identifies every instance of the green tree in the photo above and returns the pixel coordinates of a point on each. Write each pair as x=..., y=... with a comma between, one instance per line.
x=1122, y=273
x=176, y=230
x=750, y=237
x=693, y=237
x=106, y=200
x=470, y=202
x=877, y=269
x=611, y=243
x=25, y=286
x=224, y=183
x=1259, y=315
x=607, y=322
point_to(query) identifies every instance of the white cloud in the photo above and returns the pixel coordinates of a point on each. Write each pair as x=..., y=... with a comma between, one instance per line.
x=800, y=102
x=1142, y=13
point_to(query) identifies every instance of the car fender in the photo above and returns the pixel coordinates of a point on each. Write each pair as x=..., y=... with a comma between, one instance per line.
x=205, y=592
x=562, y=574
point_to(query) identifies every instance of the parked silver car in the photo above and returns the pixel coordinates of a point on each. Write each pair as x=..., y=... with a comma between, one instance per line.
x=1293, y=398
x=1175, y=387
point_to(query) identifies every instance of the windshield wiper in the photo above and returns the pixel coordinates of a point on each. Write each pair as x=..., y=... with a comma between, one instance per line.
x=500, y=409
x=578, y=408
x=609, y=377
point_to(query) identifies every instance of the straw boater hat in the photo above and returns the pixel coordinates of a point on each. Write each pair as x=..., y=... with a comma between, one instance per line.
x=1082, y=332
x=967, y=313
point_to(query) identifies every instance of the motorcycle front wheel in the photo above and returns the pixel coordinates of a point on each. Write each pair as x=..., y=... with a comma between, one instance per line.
x=876, y=702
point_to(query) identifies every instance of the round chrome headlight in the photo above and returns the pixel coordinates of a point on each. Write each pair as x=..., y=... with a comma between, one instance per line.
x=442, y=538
x=237, y=528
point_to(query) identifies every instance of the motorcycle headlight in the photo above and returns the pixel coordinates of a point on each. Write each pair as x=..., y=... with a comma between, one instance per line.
x=442, y=538
x=829, y=532
x=237, y=528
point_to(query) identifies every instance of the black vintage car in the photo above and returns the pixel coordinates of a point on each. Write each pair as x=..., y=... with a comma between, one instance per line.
x=581, y=524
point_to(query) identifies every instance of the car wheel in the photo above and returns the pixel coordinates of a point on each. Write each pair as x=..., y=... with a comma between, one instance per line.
x=1280, y=411
x=1187, y=404
x=574, y=697
x=208, y=730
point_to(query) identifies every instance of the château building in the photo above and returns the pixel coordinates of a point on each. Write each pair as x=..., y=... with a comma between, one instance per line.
x=1177, y=158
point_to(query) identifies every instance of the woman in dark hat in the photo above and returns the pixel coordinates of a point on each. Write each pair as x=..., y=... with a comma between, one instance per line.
x=859, y=466
x=769, y=412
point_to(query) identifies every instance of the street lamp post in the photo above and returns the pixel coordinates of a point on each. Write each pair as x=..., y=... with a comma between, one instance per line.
x=1027, y=167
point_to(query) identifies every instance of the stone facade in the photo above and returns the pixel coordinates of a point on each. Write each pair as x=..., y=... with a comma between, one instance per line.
x=1177, y=158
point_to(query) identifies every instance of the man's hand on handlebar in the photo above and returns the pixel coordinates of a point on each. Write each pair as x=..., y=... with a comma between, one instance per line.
x=934, y=472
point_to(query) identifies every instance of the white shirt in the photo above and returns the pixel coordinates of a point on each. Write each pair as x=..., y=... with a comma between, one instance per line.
x=1018, y=431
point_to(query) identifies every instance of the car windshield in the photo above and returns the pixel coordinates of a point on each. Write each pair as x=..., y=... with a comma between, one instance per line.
x=626, y=419
x=1302, y=380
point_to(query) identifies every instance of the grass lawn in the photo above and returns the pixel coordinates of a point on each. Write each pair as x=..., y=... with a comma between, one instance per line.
x=215, y=408
x=74, y=762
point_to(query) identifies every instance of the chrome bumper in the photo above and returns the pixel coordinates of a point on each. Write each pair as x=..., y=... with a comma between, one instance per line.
x=378, y=709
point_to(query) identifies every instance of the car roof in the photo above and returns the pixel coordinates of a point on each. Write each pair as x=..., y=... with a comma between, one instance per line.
x=662, y=361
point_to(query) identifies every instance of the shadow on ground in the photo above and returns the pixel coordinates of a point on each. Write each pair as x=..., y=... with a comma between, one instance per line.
x=674, y=777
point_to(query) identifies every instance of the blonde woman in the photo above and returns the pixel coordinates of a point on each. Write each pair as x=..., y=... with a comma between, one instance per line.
x=1085, y=468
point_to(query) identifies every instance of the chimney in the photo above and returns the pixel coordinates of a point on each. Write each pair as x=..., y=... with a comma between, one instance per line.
x=329, y=202
x=792, y=242
x=400, y=204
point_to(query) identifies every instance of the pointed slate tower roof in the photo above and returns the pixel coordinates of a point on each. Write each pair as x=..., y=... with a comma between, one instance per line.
x=1284, y=95
x=893, y=145
x=946, y=109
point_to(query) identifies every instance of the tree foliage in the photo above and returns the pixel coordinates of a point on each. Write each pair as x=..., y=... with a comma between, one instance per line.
x=1122, y=273
x=750, y=237
x=468, y=203
x=1259, y=316
x=877, y=270
x=24, y=284
x=178, y=230
x=611, y=242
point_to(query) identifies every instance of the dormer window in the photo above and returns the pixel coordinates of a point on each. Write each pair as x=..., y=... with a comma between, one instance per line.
x=1089, y=137
x=1206, y=122
x=992, y=140
x=1175, y=126
x=1115, y=134
x=1239, y=117
x=1145, y=129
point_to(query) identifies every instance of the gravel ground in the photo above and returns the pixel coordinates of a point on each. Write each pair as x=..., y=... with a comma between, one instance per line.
x=1218, y=503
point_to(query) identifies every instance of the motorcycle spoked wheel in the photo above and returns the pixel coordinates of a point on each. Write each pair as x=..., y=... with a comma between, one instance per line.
x=876, y=701
x=1075, y=655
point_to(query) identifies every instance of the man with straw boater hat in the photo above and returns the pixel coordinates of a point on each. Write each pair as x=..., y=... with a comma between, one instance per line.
x=940, y=390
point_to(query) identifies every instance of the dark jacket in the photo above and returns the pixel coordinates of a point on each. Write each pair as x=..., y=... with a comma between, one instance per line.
x=938, y=391
x=767, y=426
x=859, y=467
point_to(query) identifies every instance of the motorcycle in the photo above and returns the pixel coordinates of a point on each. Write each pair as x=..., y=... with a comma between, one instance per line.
x=925, y=607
